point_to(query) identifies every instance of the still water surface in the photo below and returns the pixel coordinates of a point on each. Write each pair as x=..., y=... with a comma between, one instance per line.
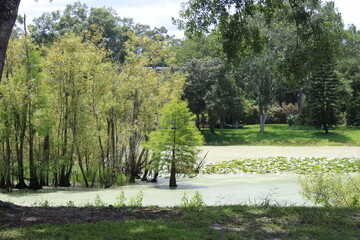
x=215, y=189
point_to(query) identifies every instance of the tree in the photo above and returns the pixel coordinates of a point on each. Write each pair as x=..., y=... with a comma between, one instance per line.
x=144, y=89
x=8, y=15
x=262, y=79
x=240, y=24
x=201, y=47
x=323, y=102
x=202, y=74
x=349, y=69
x=71, y=68
x=77, y=18
x=232, y=21
x=174, y=143
x=211, y=88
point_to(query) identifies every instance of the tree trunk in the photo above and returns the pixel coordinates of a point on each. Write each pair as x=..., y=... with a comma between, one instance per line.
x=198, y=121
x=262, y=122
x=212, y=123
x=173, y=175
x=82, y=168
x=44, y=174
x=7, y=166
x=300, y=100
x=20, y=127
x=156, y=174
x=144, y=177
x=64, y=181
x=34, y=182
x=8, y=15
x=221, y=127
x=132, y=158
x=134, y=140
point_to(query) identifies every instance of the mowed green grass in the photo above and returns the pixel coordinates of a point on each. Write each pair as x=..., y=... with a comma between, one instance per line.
x=282, y=134
x=219, y=222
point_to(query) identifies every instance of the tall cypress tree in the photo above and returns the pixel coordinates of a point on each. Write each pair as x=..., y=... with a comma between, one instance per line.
x=324, y=97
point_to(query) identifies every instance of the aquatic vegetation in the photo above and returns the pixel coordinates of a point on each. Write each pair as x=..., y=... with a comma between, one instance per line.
x=278, y=165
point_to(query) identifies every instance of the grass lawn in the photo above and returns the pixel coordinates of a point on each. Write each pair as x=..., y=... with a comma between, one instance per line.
x=219, y=222
x=282, y=134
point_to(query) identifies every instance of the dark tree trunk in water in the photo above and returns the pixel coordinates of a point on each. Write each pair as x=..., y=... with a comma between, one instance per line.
x=34, y=181
x=132, y=159
x=7, y=166
x=20, y=129
x=64, y=181
x=173, y=175
x=44, y=175
x=144, y=177
x=8, y=15
x=155, y=177
x=82, y=168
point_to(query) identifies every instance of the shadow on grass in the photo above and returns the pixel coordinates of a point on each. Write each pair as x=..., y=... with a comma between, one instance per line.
x=223, y=222
x=333, y=137
x=276, y=135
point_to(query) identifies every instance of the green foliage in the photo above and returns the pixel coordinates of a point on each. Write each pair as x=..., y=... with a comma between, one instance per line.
x=121, y=179
x=280, y=113
x=349, y=72
x=177, y=137
x=137, y=200
x=196, y=49
x=98, y=202
x=262, y=80
x=324, y=98
x=133, y=202
x=78, y=18
x=276, y=165
x=120, y=200
x=332, y=189
x=196, y=201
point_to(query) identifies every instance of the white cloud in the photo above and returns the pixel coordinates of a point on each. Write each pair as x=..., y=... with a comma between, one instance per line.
x=349, y=10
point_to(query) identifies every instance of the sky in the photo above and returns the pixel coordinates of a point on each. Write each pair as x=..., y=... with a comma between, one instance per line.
x=157, y=13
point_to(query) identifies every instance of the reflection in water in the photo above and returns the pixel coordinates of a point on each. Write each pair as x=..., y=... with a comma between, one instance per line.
x=215, y=189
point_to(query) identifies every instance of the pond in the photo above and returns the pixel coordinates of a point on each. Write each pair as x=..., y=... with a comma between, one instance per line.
x=215, y=189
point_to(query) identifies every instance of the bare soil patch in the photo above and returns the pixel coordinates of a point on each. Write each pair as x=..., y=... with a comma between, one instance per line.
x=18, y=216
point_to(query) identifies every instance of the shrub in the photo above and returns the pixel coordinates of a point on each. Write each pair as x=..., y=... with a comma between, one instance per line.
x=279, y=113
x=332, y=189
